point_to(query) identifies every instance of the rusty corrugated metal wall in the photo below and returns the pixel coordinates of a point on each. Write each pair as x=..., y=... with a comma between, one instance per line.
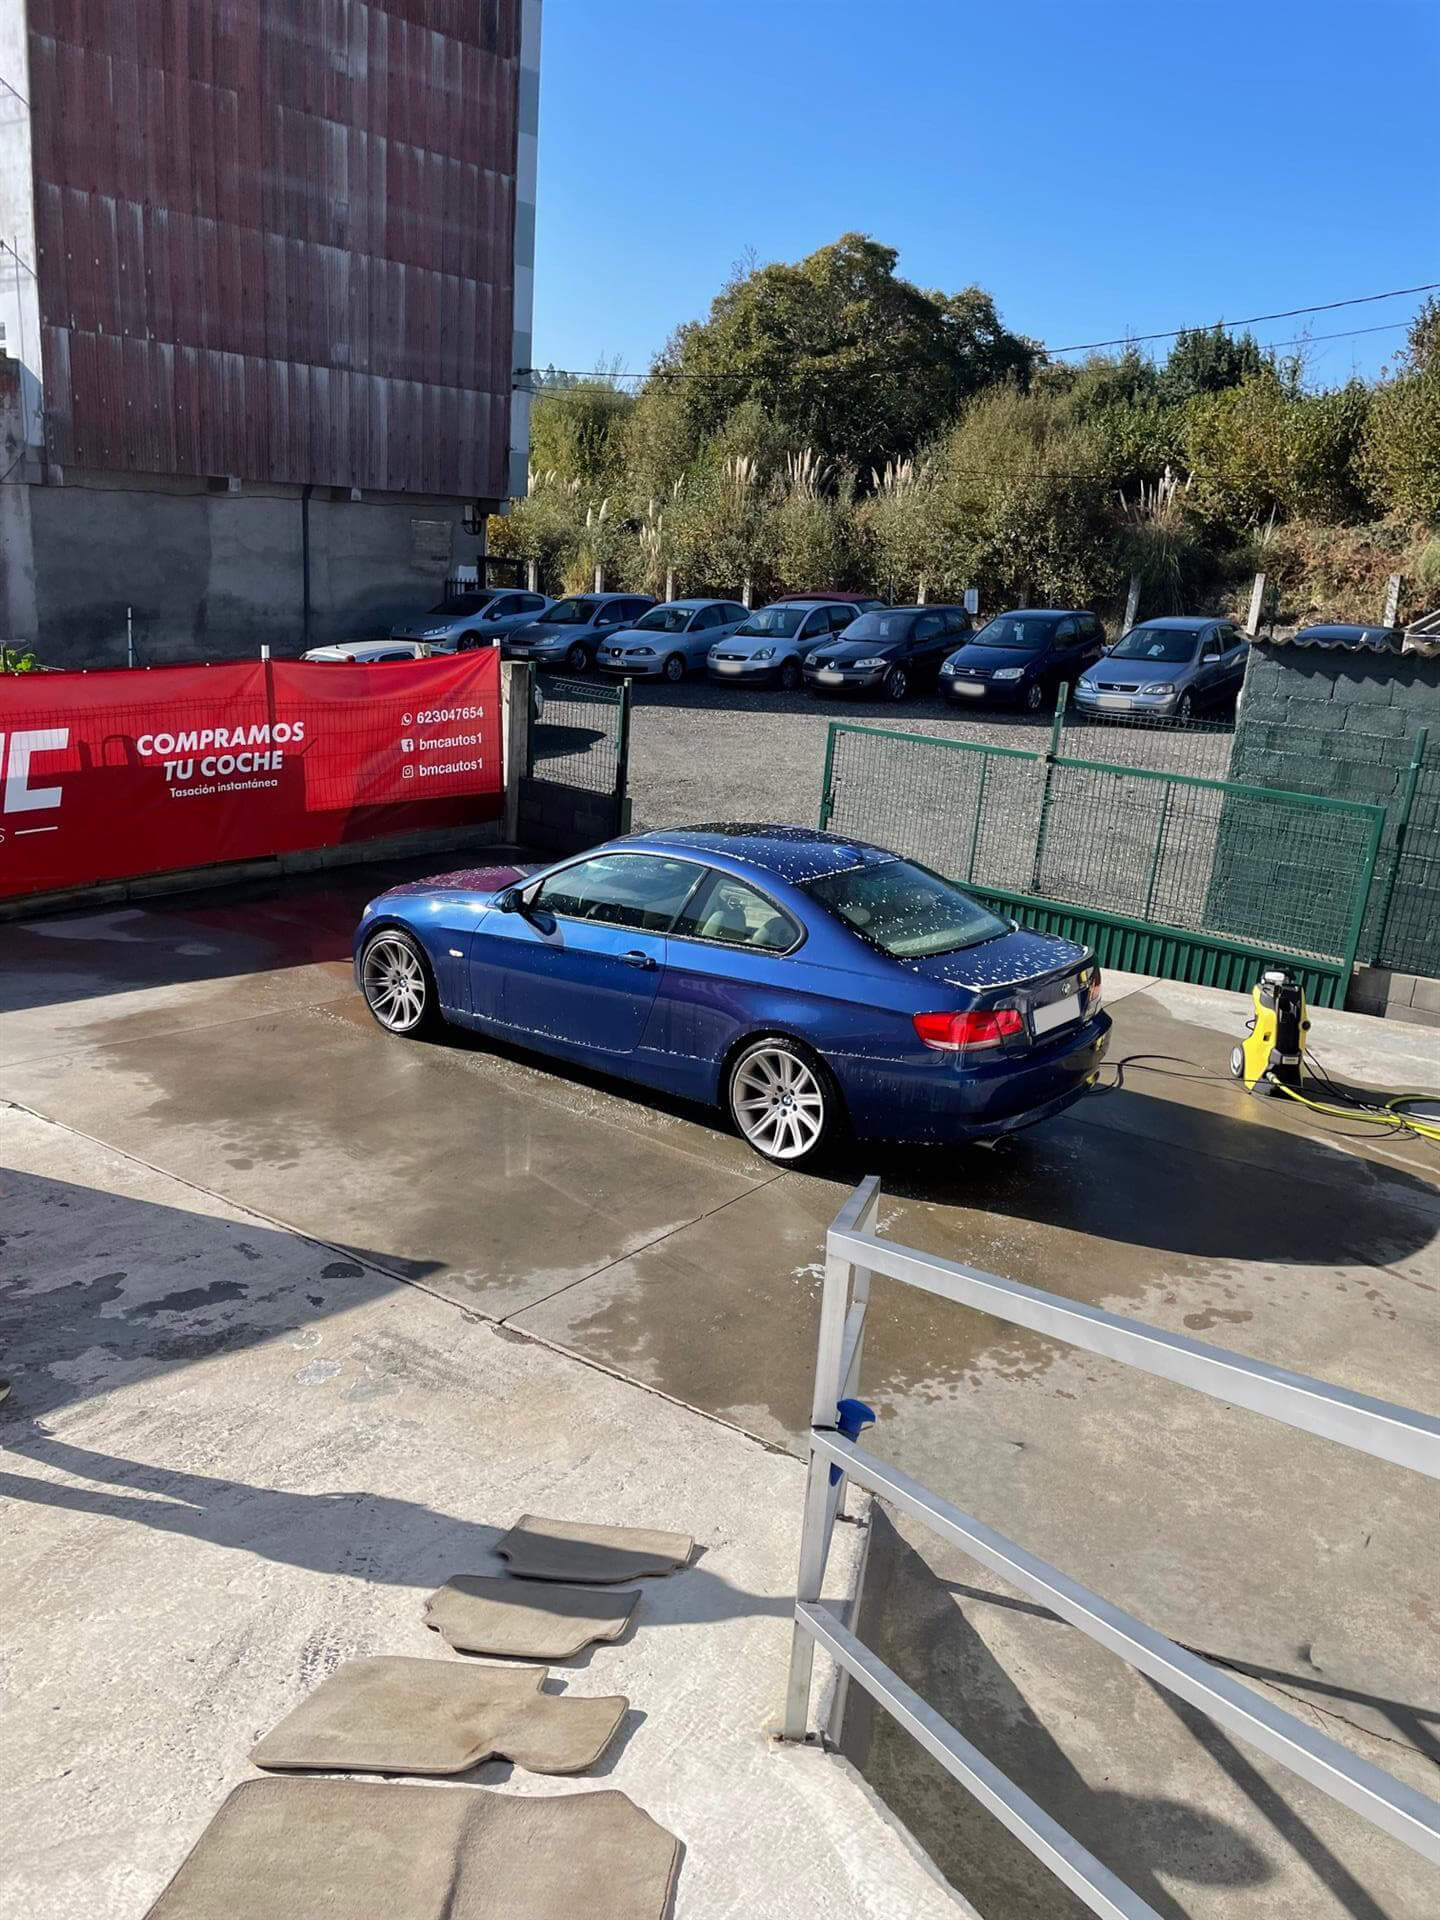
x=276, y=237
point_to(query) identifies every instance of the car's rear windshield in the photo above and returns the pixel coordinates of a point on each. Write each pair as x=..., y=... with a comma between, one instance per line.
x=1169, y=645
x=1026, y=632
x=570, y=613
x=665, y=620
x=905, y=910
x=880, y=626
x=781, y=621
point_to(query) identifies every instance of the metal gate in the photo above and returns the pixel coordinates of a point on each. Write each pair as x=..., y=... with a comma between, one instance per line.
x=1162, y=873
x=576, y=789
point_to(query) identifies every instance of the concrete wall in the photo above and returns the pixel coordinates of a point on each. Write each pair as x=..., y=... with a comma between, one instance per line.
x=1343, y=724
x=557, y=818
x=214, y=575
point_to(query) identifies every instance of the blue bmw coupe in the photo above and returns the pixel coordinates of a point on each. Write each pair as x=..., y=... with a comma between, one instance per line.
x=802, y=981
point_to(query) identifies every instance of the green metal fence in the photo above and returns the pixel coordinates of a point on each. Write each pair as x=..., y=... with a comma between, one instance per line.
x=1403, y=928
x=1165, y=873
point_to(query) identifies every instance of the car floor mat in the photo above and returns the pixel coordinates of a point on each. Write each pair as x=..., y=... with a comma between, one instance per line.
x=359, y=1850
x=526, y=1620
x=539, y=1549
x=392, y=1714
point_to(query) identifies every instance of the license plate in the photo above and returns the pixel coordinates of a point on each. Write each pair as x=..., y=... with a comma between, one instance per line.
x=972, y=688
x=1115, y=700
x=728, y=666
x=1058, y=1014
x=829, y=676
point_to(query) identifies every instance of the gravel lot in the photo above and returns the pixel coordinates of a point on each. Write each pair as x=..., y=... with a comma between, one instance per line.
x=700, y=752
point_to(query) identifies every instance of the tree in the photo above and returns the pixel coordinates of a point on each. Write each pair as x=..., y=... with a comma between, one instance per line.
x=1208, y=360
x=842, y=354
x=1401, y=452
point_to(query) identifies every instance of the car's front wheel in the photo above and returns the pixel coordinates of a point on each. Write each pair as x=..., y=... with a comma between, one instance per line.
x=1185, y=712
x=675, y=668
x=397, y=985
x=577, y=659
x=790, y=675
x=782, y=1100
x=1034, y=696
x=897, y=684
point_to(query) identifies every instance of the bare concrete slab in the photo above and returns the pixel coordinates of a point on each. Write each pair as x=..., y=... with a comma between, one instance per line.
x=197, y=1534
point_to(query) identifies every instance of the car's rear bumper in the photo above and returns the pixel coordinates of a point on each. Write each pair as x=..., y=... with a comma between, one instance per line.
x=933, y=1101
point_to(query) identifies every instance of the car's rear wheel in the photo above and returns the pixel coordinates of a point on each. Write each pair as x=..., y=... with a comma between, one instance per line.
x=897, y=684
x=675, y=668
x=577, y=660
x=397, y=985
x=782, y=1101
x=790, y=675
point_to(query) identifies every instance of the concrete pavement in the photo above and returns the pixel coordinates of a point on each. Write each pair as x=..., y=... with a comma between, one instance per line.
x=222, y=1045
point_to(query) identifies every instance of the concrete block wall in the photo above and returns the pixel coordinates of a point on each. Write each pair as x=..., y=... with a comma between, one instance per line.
x=557, y=818
x=1343, y=724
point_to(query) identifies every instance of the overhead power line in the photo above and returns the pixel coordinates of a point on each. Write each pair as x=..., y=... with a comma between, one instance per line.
x=1083, y=346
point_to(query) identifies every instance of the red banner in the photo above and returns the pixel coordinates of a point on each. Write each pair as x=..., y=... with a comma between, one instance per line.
x=106, y=776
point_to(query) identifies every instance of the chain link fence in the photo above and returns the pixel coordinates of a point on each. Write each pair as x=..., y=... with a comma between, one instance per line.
x=1201, y=748
x=1404, y=925
x=1162, y=850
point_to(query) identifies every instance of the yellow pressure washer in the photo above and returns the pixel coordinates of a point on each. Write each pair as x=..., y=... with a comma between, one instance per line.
x=1274, y=1054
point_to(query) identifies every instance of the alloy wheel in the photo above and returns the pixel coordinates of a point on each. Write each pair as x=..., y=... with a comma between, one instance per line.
x=1034, y=696
x=896, y=685
x=393, y=979
x=1185, y=709
x=778, y=1102
x=675, y=668
x=577, y=660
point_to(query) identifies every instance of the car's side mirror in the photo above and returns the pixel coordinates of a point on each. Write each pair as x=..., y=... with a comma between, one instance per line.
x=509, y=901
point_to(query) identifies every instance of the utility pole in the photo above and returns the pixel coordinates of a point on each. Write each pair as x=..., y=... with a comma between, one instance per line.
x=1392, y=599
x=1132, y=603
x=1257, y=605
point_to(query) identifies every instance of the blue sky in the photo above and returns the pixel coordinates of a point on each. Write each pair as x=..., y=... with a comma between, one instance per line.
x=1100, y=169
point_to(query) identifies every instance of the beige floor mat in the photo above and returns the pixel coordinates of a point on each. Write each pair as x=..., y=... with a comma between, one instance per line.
x=519, y=1620
x=539, y=1549
x=390, y=1714
x=359, y=1850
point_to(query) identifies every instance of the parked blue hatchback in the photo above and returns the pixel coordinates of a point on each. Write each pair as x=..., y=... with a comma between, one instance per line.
x=802, y=981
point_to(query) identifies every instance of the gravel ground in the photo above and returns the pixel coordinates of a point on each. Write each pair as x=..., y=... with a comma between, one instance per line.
x=700, y=752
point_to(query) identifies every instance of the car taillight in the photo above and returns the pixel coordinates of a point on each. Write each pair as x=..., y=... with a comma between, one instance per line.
x=957, y=1032
x=1092, y=996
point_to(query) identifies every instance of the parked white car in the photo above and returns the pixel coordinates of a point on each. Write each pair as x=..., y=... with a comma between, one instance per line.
x=368, y=653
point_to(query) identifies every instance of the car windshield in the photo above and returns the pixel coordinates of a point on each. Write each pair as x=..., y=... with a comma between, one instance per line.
x=578, y=612
x=665, y=620
x=905, y=910
x=879, y=626
x=774, y=621
x=1171, y=645
x=465, y=603
x=1024, y=632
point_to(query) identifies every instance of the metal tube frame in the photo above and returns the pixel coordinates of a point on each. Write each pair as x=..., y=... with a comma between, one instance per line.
x=1399, y=1435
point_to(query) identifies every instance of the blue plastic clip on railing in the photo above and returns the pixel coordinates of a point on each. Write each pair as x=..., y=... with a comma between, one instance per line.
x=854, y=1417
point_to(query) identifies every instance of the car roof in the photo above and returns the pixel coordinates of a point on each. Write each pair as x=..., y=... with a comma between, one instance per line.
x=713, y=600
x=1346, y=630
x=1192, y=622
x=790, y=853
x=1048, y=613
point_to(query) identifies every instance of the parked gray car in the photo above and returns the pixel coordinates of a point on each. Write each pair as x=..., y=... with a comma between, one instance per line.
x=1166, y=669
x=571, y=632
x=475, y=619
x=770, y=645
x=670, y=639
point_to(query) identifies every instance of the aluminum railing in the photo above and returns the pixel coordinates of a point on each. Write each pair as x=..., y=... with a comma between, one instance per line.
x=1404, y=1438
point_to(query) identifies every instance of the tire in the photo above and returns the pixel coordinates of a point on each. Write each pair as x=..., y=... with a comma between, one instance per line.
x=896, y=684
x=1034, y=697
x=674, y=669
x=577, y=659
x=789, y=676
x=1185, y=711
x=398, y=987
x=782, y=1101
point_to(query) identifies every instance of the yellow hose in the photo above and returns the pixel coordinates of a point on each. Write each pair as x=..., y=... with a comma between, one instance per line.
x=1386, y=1116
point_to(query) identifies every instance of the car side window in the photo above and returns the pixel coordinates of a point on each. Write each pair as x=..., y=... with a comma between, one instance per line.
x=957, y=620
x=640, y=890
x=529, y=603
x=1213, y=646
x=728, y=911
x=928, y=627
x=1065, y=633
x=816, y=622
x=708, y=617
x=502, y=608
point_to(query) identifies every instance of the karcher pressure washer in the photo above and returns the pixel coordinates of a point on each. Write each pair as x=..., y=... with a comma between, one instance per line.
x=1274, y=1055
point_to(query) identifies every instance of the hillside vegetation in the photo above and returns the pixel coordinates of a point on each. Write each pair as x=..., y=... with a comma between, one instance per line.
x=829, y=424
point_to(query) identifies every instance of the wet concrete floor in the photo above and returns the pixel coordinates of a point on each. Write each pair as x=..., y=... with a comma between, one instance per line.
x=223, y=1042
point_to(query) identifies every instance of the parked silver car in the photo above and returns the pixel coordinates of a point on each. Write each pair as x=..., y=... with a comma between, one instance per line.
x=1166, y=669
x=475, y=619
x=770, y=645
x=569, y=633
x=671, y=639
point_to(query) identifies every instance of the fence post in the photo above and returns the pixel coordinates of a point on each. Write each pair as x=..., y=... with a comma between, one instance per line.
x=1132, y=603
x=599, y=578
x=1048, y=758
x=827, y=792
x=979, y=811
x=1159, y=849
x=532, y=575
x=1257, y=605
x=1362, y=901
x=669, y=583
x=622, y=758
x=1392, y=598
x=1397, y=851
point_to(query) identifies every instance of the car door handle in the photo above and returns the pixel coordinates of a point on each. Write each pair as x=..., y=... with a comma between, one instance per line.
x=637, y=959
